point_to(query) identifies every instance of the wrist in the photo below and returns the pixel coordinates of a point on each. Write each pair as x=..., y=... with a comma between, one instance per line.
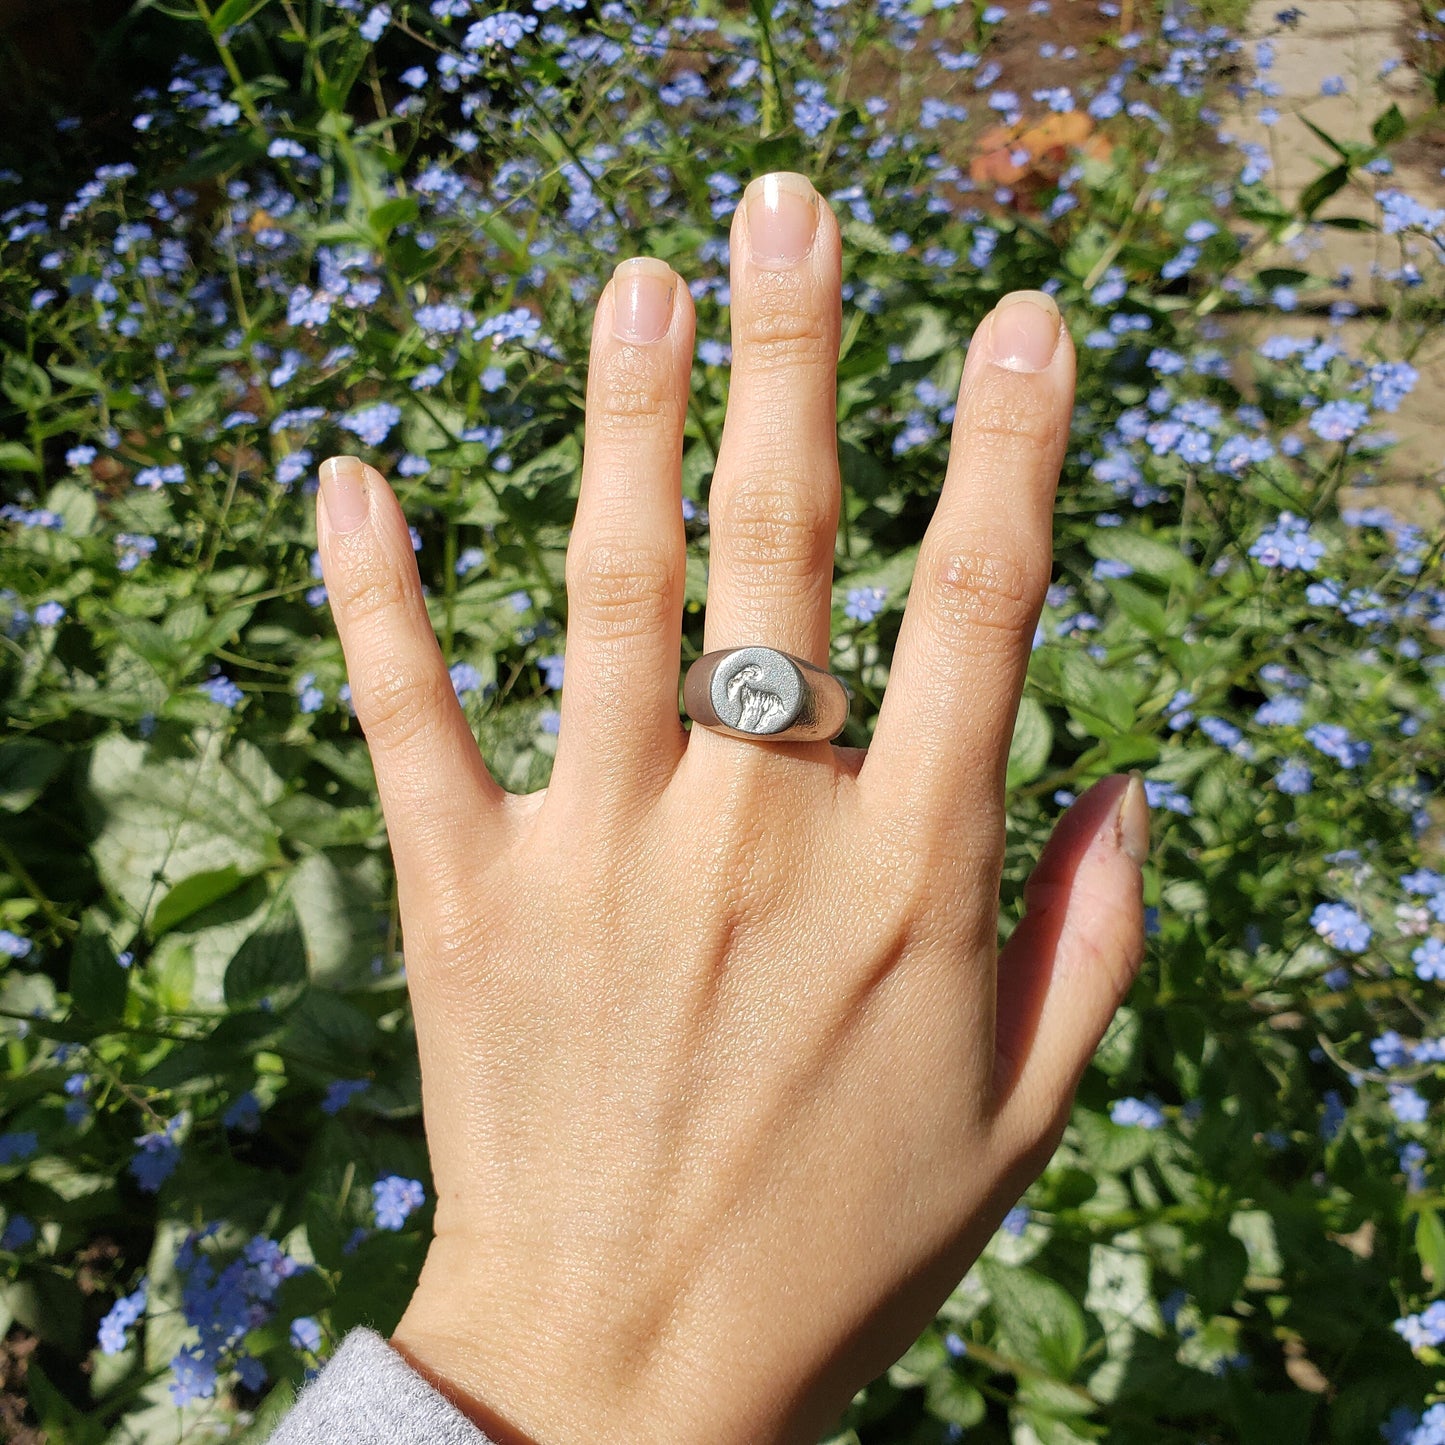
x=533, y=1372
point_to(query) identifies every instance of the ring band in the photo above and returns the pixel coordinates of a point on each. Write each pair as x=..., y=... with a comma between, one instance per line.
x=766, y=695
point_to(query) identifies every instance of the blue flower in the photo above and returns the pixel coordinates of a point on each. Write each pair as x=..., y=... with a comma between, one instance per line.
x=1337, y=421
x=156, y=1157
x=865, y=603
x=553, y=666
x=1390, y=1050
x=374, y=26
x=251, y=1371
x=340, y=1092
x=1294, y=778
x=1108, y=568
x=372, y=423
x=222, y=690
x=1392, y=382
x=1334, y=741
x=1288, y=544
x=1341, y=927
x=1429, y=960
x=465, y=678
x=306, y=1334
x=1165, y=795
x=13, y=946
x=1136, y=1112
x=1333, y=1118
x=1017, y=1220
x=18, y=1233
x=195, y=1376
x=394, y=1198
x=1407, y=1105
x=18, y=1145
x=1283, y=711
x=48, y=614
x=119, y=1318
x=243, y=1113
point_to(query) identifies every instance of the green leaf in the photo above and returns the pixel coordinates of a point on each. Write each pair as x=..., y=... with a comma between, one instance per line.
x=1328, y=139
x=386, y=217
x=1111, y=1148
x=1152, y=556
x=26, y=766
x=1320, y=190
x=1092, y=696
x=169, y=817
x=57, y=1416
x=229, y=14
x=1430, y=1246
x=1031, y=745
x=953, y=1400
x=25, y=383
x=269, y=1414
x=17, y=457
x=98, y=983
x=1388, y=126
x=1038, y=1321
x=269, y=965
x=192, y=894
x=1144, y=611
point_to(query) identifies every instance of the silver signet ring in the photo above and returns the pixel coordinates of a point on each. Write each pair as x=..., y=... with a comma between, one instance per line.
x=766, y=695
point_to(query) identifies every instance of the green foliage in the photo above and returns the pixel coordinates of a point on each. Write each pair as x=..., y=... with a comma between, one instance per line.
x=208, y=1051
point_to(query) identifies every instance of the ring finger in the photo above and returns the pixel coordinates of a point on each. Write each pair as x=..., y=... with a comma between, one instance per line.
x=774, y=501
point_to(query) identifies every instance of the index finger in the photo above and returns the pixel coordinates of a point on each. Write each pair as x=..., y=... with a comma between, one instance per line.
x=940, y=747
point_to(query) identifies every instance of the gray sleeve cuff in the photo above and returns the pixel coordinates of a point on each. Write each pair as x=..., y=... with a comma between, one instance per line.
x=366, y=1394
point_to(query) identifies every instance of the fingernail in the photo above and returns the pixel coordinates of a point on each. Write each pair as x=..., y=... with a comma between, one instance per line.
x=642, y=299
x=1132, y=820
x=343, y=493
x=1024, y=332
x=782, y=212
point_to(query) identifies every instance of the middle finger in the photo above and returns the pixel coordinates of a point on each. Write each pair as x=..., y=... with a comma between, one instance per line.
x=773, y=506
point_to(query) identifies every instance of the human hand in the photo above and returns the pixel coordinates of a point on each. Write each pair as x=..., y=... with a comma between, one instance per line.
x=726, y=1084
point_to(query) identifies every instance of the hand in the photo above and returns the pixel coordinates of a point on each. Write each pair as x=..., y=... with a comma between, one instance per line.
x=725, y=1083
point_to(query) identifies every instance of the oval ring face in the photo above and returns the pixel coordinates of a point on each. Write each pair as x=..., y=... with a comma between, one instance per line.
x=757, y=690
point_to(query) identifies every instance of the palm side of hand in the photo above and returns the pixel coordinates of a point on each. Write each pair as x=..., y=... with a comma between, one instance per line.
x=726, y=1083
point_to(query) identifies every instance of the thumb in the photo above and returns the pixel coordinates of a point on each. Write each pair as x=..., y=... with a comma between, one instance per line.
x=1074, y=955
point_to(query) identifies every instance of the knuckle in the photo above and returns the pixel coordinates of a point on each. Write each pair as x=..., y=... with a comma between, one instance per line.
x=622, y=588
x=629, y=394
x=395, y=700
x=983, y=591
x=776, y=529
x=1006, y=412
x=785, y=325
x=368, y=590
